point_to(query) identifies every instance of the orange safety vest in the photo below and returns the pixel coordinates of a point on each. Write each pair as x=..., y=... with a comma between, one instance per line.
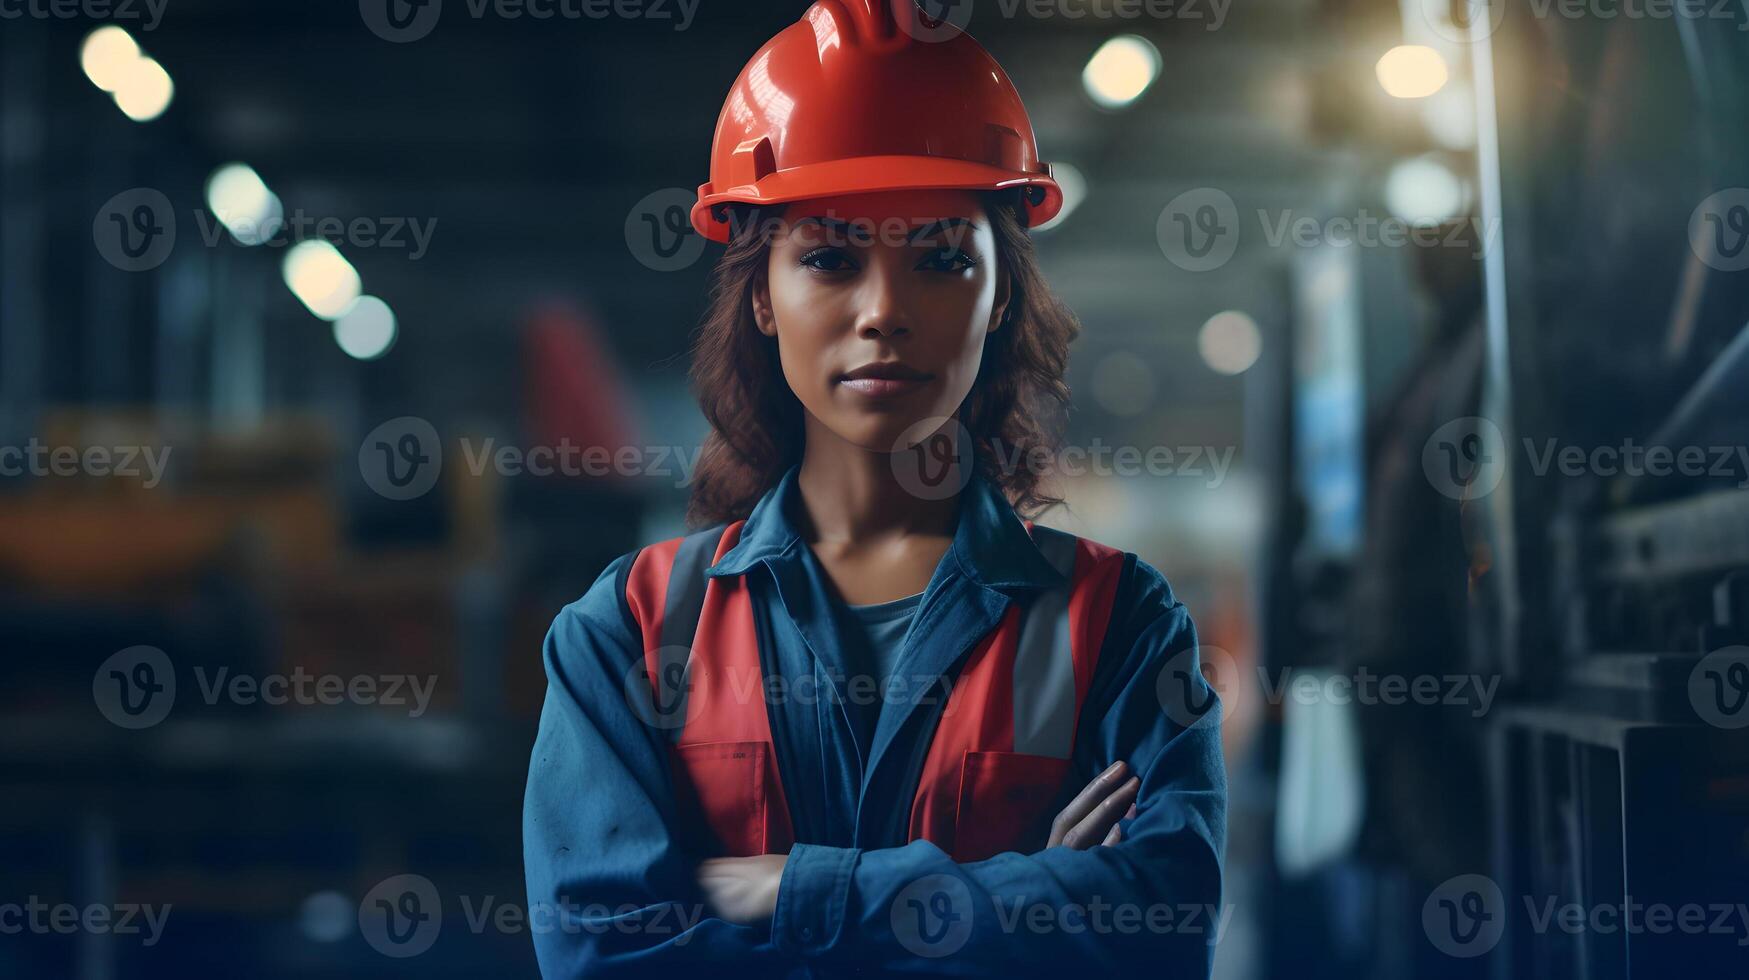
x=1000, y=753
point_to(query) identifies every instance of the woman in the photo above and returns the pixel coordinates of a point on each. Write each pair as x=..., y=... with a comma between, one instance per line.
x=868, y=719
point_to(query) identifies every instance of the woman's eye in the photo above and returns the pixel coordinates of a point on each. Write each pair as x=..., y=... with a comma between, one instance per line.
x=827, y=260
x=948, y=260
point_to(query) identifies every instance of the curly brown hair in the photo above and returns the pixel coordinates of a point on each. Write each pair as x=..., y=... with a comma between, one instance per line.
x=1016, y=401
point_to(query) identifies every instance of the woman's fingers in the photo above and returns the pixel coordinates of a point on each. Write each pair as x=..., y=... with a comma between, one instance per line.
x=1099, y=788
x=1094, y=827
x=1116, y=835
x=1085, y=802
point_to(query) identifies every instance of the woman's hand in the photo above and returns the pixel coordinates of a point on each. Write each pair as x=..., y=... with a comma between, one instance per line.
x=1091, y=817
x=742, y=890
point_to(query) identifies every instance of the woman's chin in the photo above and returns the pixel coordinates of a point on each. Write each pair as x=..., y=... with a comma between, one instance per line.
x=893, y=434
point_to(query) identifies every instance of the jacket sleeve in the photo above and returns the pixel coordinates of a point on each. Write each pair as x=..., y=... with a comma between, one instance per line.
x=610, y=891
x=1152, y=901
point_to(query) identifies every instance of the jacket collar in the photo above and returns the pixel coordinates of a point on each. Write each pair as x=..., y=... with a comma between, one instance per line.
x=991, y=545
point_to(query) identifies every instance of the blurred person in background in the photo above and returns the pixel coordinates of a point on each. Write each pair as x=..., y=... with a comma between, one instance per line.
x=870, y=717
x=1408, y=615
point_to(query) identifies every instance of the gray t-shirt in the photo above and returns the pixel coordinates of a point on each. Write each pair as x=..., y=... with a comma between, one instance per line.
x=877, y=633
x=873, y=636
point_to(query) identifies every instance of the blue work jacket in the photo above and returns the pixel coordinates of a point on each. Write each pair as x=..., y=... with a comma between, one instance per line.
x=611, y=890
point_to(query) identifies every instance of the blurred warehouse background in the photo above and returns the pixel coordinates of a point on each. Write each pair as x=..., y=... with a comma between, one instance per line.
x=345, y=343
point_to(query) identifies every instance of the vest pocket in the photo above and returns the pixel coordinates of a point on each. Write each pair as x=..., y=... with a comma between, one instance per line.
x=722, y=789
x=1004, y=803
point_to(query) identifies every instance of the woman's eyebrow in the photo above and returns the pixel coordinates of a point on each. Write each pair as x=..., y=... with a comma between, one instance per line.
x=960, y=227
x=837, y=230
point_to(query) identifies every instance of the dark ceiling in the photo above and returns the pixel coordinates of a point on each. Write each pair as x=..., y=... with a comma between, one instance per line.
x=528, y=141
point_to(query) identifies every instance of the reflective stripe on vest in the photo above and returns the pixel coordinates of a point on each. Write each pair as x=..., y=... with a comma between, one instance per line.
x=723, y=759
x=1001, y=750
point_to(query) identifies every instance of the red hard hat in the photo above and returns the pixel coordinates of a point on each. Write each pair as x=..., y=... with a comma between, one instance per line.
x=863, y=95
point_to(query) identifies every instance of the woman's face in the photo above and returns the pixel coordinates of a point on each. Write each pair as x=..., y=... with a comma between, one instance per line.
x=880, y=304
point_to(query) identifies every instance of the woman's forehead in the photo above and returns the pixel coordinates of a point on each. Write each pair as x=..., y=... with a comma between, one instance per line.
x=913, y=207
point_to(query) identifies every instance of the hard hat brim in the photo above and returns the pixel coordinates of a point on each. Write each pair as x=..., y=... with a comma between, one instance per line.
x=871, y=174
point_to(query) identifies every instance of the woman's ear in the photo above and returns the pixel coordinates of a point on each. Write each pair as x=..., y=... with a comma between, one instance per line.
x=761, y=296
x=999, y=308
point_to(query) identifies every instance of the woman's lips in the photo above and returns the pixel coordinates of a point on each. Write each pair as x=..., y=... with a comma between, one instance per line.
x=883, y=387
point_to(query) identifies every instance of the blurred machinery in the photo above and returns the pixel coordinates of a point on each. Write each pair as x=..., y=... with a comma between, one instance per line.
x=1615, y=603
x=1514, y=532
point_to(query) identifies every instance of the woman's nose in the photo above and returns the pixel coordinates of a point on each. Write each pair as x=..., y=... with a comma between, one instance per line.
x=882, y=310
